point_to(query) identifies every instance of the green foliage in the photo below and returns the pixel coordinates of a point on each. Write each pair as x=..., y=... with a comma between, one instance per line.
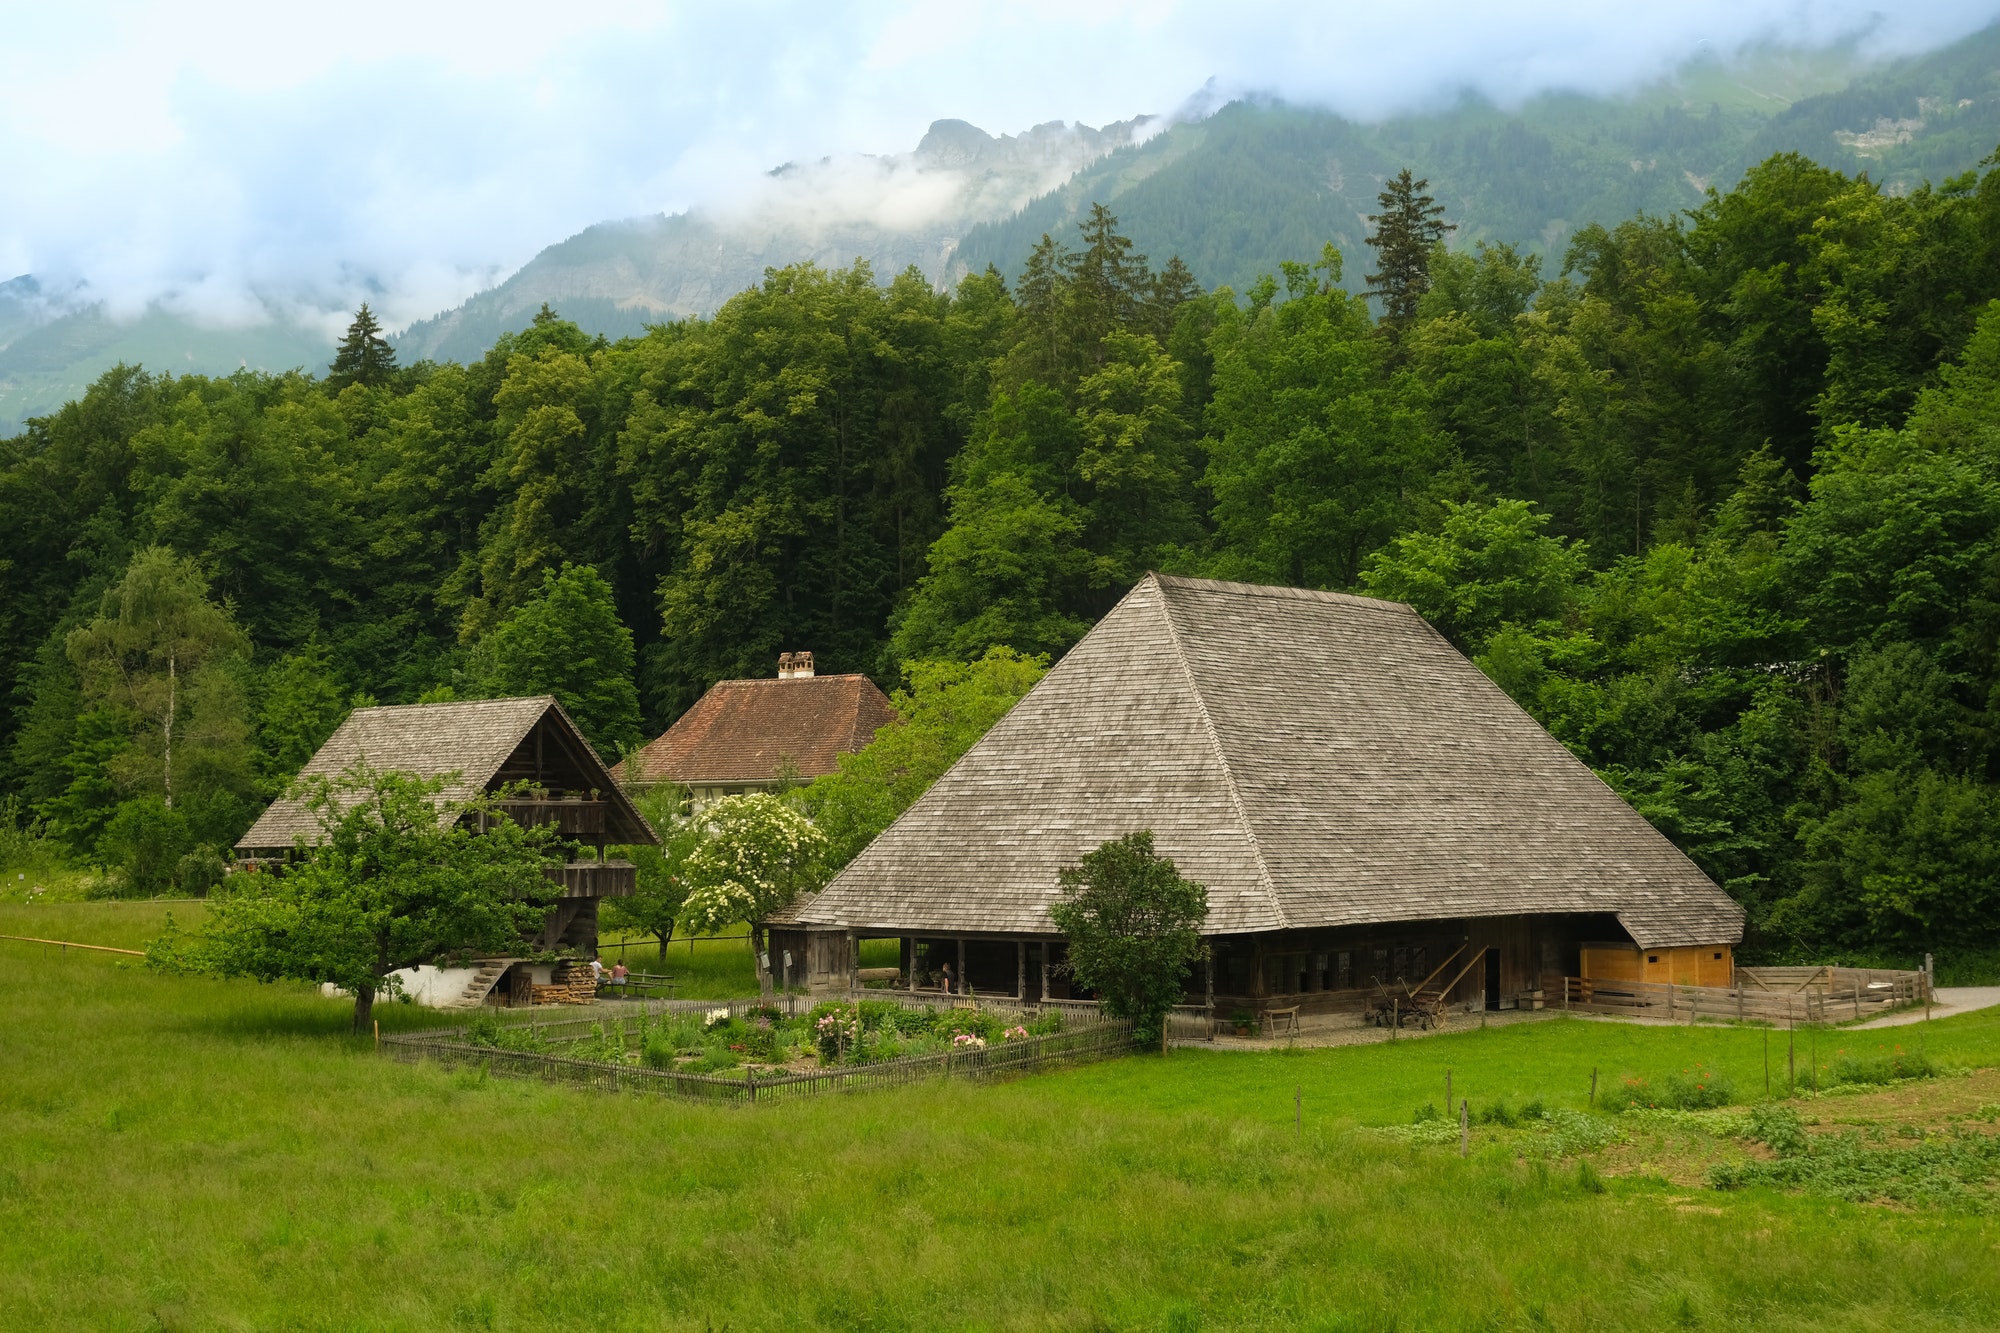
x=397, y=880
x=1882, y=1066
x=1955, y=1170
x=566, y=639
x=1408, y=230
x=1696, y=1088
x=1487, y=567
x=1133, y=923
x=302, y=706
x=155, y=654
x=655, y=907
x=364, y=356
x=941, y=709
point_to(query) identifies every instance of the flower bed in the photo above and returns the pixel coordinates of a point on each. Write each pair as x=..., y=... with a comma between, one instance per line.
x=745, y=1052
x=765, y=1038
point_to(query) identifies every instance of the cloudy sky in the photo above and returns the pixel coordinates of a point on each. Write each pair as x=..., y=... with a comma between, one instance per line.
x=226, y=157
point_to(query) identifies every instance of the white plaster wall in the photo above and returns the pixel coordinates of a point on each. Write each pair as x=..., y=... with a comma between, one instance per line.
x=436, y=987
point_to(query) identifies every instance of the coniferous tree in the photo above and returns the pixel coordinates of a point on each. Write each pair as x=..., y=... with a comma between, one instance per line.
x=1407, y=229
x=364, y=356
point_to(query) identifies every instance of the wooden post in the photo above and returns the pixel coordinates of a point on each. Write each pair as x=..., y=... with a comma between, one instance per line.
x=1694, y=1005
x=1208, y=988
x=913, y=964
x=1395, y=1016
x=378, y=1034
x=1464, y=1130
x=1021, y=970
x=963, y=989
x=1048, y=955
x=1593, y=1085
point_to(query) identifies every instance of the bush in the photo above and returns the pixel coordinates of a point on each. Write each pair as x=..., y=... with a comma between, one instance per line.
x=144, y=843
x=200, y=871
x=1778, y=1127
x=835, y=1030
x=1694, y=1089
x=1885, y=1066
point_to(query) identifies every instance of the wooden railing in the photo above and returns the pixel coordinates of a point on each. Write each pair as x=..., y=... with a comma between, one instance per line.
x=596, y=879
x=574, y=817
x=1836, y=996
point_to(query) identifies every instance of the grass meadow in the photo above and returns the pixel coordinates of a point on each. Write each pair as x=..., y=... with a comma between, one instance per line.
x=191, y=1154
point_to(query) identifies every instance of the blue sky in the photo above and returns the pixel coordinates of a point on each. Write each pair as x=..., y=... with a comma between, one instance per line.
x=228, y=158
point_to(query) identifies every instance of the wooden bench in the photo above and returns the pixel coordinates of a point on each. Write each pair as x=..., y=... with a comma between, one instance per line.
x=1282, y=1020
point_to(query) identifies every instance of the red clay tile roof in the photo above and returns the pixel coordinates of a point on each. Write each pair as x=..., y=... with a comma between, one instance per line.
x=746, y=730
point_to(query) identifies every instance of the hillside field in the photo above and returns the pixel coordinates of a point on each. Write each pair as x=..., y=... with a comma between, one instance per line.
x=183, y=1154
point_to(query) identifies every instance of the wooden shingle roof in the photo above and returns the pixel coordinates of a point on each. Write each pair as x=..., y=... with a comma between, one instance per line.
x=750, y=730
x=474, y=740
x=1315, y=759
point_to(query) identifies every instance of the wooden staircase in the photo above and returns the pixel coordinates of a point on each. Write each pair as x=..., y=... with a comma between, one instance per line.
x=481, y=985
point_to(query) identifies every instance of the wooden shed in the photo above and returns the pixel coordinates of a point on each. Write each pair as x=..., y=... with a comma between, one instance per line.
x=482, y=746
x=1360, y=800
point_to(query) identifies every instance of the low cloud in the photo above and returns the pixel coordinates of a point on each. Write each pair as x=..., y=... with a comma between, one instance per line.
x=240, y=167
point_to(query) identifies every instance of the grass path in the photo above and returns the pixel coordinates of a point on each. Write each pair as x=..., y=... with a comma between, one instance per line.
x=189, y=1154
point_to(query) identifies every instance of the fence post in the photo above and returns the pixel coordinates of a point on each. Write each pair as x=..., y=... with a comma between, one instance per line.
x=1464, y=1130
x=750, y=1082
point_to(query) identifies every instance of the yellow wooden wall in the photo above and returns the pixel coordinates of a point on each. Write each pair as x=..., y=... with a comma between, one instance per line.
x=1684, y=965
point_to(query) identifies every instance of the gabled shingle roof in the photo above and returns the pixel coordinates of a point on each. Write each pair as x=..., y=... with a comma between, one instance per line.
x=747, y=730
x=473, y=740
x=1315, y=759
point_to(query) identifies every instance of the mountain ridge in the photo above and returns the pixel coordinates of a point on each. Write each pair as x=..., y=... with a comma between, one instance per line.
x=1233, y=192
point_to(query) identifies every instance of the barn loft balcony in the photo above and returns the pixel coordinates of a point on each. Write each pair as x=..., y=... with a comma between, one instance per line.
x=596, y=879
x=572, y=816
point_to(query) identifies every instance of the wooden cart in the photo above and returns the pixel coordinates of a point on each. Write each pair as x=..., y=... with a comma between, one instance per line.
x=1423, y=1005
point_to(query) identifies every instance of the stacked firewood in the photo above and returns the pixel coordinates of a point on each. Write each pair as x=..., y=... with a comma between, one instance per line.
x=573, y=985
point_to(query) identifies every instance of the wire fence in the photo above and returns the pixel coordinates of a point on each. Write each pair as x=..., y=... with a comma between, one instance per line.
x=1100, y=1039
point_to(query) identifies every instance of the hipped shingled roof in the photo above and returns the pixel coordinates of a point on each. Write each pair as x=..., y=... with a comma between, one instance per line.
x=752, y=730
x=1315, y=759
x=474, y=740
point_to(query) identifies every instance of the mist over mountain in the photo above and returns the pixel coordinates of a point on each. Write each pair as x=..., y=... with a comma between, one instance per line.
x=1233, y=190
x=895, y=211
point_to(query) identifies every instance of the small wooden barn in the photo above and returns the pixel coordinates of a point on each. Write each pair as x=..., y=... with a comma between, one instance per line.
x=751, y=735
x=1361, y=801
x=482, y=746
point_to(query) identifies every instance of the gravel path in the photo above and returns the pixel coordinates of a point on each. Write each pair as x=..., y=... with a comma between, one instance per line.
x=1950, y=1000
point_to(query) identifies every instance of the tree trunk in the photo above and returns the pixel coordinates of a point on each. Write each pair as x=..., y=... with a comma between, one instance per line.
x=173, y=700
x=666, y=937
x=364, y=1008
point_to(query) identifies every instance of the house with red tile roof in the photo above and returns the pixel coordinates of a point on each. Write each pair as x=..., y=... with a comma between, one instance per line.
x=751, y=735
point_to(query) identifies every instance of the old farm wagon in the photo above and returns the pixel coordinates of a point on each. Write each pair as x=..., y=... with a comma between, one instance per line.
x=483, y=746
x=1364, y=805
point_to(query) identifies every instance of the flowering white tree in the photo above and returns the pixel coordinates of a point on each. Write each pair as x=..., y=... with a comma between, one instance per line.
x=756, y=855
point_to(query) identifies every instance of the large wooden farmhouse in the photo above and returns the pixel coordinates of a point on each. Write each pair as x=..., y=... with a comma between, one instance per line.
x=751, y=735
x=1361, y=801
x=482, y=746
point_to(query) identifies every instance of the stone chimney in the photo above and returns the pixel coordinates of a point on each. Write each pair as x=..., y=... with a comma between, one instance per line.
x=794, y=666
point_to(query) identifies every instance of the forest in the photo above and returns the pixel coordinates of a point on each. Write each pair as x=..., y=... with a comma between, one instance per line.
x=1717, y=500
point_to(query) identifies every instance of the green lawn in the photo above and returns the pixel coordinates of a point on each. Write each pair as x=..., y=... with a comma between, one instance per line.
x=192, y=1154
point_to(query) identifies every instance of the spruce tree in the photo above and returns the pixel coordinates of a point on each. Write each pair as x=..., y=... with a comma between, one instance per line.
x=1408, y=228
x=364, y=356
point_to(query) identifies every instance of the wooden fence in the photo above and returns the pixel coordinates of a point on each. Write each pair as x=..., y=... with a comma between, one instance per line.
x=1097, y=1041
x=1768, y=995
